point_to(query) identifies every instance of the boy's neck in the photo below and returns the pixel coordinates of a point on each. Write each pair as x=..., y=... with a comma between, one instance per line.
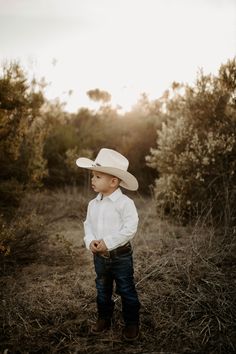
x=109, y=193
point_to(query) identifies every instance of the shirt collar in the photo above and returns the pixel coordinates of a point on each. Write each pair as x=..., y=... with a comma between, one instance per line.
x=99, y=196
x=113, y=196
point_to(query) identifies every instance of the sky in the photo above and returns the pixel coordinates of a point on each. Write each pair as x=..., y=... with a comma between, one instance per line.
x=125, y=47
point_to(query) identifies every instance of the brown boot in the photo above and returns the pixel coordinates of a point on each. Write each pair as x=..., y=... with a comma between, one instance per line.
x=131, y=332
x=101, y=325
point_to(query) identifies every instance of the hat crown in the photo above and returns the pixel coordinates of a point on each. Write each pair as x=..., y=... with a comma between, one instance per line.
x=111, y=158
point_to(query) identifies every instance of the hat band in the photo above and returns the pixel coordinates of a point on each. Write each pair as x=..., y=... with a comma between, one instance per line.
x=96, y=164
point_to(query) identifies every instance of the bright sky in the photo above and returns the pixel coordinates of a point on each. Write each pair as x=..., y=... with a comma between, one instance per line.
x=125, y=47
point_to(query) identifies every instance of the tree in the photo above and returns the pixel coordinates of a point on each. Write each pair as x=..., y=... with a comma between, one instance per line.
x=98, y=95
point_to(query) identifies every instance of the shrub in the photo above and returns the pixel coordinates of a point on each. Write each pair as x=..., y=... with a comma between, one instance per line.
x=22, y=135
x=19, y=242
x=196, y=149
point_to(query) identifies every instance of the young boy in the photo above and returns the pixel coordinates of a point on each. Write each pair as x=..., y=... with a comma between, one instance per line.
x=110, y=224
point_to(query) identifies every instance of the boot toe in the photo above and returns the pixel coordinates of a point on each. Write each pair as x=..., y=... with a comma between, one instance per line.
x=101, y=325
x=131, y=333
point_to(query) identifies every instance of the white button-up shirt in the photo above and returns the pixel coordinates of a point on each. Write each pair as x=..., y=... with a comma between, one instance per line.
x=113, y=218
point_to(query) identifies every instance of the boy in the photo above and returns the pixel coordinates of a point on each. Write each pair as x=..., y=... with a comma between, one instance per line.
x=110, y=224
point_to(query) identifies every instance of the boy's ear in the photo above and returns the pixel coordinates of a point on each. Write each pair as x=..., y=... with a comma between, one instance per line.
x=115, y=181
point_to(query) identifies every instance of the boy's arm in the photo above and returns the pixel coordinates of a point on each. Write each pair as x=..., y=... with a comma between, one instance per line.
x=130, y=224
x=89, y=237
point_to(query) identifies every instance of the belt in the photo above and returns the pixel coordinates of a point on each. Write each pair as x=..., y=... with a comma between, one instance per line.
x=117, y=251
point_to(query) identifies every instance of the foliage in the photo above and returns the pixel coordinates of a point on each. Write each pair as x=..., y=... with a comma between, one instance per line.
x=19, y=241
x=22, y=134
x=196, y=148
x=62, y=147
x=86, y=132
x=41, y=141
x=194, y=158
x=99, y=95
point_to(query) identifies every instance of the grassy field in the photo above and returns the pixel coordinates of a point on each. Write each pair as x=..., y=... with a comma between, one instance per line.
x=185, y=277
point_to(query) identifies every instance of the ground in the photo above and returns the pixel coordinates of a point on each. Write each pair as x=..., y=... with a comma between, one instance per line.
x=49, y=298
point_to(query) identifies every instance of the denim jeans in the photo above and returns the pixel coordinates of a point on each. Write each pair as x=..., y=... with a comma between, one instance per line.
x=119, y=270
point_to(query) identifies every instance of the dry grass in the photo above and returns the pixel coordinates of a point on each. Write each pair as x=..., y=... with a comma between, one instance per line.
x=185, y=277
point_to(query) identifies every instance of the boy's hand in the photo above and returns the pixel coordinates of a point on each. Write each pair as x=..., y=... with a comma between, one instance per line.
x=101, y=247
x=94, y=246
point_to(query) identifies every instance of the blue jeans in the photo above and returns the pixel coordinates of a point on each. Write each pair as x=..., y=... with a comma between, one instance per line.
x=120, y=270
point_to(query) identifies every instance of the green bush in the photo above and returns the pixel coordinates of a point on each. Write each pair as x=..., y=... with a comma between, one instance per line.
x=86, y=132
x=196, y=149
x=62, y=147
x=22, y=132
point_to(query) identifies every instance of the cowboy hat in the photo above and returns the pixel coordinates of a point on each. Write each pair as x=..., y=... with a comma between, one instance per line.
x=113, y=163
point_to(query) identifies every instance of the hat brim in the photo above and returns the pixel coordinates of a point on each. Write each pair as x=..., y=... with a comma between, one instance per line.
x=128, y=181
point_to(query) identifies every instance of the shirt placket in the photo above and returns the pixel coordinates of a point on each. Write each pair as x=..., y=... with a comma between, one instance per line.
x=100, y=219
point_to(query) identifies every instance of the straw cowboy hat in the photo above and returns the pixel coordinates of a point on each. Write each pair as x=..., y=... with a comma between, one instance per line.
x=112, y=163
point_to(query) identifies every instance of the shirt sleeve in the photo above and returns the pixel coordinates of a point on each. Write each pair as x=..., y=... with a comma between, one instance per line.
x=89, y=237
x=128, y=229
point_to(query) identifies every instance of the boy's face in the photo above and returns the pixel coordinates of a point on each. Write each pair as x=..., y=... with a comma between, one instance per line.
x=104, y=183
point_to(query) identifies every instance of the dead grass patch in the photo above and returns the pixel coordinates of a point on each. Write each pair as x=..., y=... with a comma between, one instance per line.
x=185, y=278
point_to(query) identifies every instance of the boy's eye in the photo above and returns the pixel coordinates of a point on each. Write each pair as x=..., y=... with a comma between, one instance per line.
x=96, y=176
